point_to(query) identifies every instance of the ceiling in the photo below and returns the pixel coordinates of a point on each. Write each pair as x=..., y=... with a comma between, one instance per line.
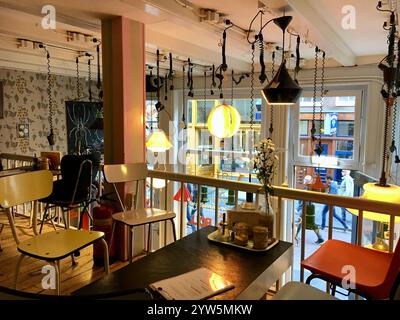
x=175, y=25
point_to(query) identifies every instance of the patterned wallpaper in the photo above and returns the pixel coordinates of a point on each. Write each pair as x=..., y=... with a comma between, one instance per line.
x=24, y=128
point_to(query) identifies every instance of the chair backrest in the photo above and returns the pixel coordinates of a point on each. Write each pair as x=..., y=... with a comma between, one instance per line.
x=391, y=282
x=77, y=174
x=25, y=187
x=116, y=173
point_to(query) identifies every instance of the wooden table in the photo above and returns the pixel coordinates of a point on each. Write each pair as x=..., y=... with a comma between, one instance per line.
x=252, y=273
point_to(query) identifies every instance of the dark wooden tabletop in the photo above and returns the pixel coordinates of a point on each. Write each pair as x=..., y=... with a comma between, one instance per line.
x=238, y=266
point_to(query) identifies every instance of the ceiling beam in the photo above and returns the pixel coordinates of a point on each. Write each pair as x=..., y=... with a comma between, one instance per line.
x=336, y=46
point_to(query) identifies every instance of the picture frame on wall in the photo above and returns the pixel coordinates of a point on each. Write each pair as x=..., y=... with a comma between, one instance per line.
x=1, y=100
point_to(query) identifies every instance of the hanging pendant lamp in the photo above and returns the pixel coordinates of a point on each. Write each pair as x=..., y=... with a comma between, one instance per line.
x=282, y=89
x=158, y=140
x=223, y=121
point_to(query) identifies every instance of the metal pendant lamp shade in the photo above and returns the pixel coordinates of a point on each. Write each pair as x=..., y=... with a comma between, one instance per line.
x=98, y=122
x=282, y=90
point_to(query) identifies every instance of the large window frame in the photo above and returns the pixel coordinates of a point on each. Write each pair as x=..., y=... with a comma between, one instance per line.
x=303, y=160
x=240, y=93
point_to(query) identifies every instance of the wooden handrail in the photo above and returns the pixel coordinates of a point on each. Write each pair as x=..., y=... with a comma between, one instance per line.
x=283, y=192
x=16, y=157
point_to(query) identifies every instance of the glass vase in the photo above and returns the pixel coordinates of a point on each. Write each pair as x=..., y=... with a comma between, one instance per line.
x=267, y=216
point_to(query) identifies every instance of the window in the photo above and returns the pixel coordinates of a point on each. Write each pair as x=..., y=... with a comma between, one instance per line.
x=220, y=153
x=304, y=128
x=345, y=128
x=337, y=125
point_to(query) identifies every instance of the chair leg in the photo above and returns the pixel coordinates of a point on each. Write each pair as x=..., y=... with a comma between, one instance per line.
x=149, y=239
x=130, y=242
x=333, y=290
x=173, y=228
x=112, y=236
x=106, y=257
x=81, y=216
x=21, y=257
x=12, y=225
x=44, y=217
x=57, y=268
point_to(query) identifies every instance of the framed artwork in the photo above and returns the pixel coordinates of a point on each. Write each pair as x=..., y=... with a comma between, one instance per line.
x=1, y=100
x=23, y=131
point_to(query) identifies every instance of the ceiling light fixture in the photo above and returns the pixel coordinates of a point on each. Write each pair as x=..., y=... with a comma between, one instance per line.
x=158, y=141
x=282, y=90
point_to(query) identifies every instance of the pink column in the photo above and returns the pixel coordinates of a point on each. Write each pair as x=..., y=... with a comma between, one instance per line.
x=123, y=53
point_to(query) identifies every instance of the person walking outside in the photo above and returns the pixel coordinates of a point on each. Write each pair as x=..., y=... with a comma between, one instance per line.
x=306, y=181
x=333, y=189
x=346, y=189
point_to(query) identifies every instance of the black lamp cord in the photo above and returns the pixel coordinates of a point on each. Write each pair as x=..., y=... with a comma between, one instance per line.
x=263, y=75
x=205, y=97
x=183, y=98
x=171, y=72
x=213, y=83
x=251, y=107
x=313, y=128
x=49, y=90
x=90, y=78
x=151, y=102
x=271, y=125
x=320, y=148
x=78, y=84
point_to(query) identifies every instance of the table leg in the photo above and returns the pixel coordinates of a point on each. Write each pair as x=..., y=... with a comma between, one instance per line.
x=12, y=225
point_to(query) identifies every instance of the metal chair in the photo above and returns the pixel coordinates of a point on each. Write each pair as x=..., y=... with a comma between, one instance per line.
x=377, y=272
x=52, y=246
x=301, y=291
x=74, y=190
x=135, y=172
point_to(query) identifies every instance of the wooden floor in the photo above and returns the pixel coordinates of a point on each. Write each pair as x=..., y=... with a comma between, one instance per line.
x=30, y=278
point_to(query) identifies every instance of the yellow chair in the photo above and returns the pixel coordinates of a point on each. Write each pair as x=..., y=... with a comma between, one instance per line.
x=52, y=246
x=135, y=172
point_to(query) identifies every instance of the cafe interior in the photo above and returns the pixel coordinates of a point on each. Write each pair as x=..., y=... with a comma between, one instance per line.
x=149, y=145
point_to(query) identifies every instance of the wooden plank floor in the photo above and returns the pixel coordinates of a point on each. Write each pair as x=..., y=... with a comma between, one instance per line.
x=30, y=278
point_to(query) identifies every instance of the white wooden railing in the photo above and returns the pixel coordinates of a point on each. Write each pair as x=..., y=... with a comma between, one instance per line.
x=280, y=195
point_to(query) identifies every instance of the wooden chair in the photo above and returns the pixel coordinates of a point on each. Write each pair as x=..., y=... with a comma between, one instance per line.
x=377, y=272
x=52, y=246
x=135, y=172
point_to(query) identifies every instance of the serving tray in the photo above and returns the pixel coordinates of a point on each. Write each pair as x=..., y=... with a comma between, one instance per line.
x=214, y=238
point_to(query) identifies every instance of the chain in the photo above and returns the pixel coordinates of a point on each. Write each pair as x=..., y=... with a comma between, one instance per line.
x=271, y=126
x=313, y=129
x=322, y=96
x=78, y=84
x=252, y=90
x=49, y=87
x=151, y=102
x=393, y=147
x=90, y=80
x=183, y=96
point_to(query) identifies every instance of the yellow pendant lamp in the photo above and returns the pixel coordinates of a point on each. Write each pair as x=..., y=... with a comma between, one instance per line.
x=389, y=193
x=223, y=121
x=158, y=141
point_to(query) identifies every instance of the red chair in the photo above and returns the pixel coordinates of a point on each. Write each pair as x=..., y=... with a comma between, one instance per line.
x=377, y=273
